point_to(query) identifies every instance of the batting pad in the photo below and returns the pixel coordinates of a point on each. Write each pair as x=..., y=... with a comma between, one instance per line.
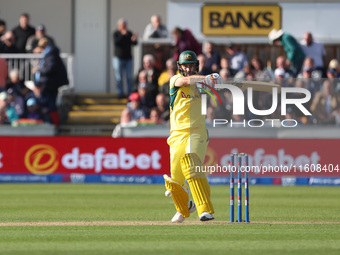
x=179, y=195
x=198, y=183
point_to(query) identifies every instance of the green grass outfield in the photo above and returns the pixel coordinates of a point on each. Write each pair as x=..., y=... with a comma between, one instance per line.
x=135, y=219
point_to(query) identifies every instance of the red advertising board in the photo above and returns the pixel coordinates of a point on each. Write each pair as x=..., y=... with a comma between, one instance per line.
x=150, y=156
x=88, y=155
x=278, y=157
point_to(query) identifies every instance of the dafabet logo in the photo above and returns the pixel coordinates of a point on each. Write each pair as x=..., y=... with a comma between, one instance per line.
x=42, y=159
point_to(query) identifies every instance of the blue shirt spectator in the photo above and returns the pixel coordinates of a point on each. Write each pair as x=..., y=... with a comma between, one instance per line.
x=137, y=110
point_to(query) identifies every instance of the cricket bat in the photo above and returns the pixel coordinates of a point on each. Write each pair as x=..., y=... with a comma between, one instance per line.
x=256, y=85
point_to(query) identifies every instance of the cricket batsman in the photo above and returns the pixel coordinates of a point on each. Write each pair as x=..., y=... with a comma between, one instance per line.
x=188, y=142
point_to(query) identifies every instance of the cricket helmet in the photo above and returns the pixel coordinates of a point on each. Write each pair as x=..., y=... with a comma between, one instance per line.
x=188, y=57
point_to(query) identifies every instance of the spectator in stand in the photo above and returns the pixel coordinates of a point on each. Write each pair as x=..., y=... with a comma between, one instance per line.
x=225, y=64
x=315, y=50
x=309, y=64
x=126, y=117
x=3, y=73
x=44, y=100
x=34, y=112
x=280, y=77
x=337, y=117
x=163, y=80
x=213, y=57
x=135, y=107
x=7, y=43
x=333, y=74
x=32, y=41
x=310, y=76
x=209, y=120
x=225, y=74
x=162, y=106
x=22, y=32
x=228, y=102
x=155, y=116
x=238, y=60
x=143, y=79
x=282, y=63
x=325, y=104
x=158, y=54
x=144, y=96
x=16, y=84
x=250, y=76
x=334, y=64
x=123, y=40
x=152, y=74
x=241, y=75
x=155, y=29
x=292, y=115
x=16, y=101
x=294, y=52
x=2, y=27
x=203, y=69
x=125, y=121
x=7, y=112
x=184, y=40
x=261, y=74
x=143, y=90
x=50, y=75
x=299, y=83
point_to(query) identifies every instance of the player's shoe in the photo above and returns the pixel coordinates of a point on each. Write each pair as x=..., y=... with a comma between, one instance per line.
x=192, y=206
x=205, y=216
x=178, y=218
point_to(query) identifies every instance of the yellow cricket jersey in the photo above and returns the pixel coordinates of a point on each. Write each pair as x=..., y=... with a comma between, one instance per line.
x=164, y=78
x=185, y=107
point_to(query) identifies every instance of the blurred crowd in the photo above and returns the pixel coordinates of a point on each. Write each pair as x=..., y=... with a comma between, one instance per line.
x=22, y=104
x=304, y=64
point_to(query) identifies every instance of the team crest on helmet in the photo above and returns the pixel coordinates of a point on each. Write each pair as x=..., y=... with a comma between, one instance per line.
x=187, y=56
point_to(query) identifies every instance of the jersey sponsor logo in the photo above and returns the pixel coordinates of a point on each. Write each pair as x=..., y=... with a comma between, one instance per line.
x=193, y=96
x=240, y=19
x=188, y=96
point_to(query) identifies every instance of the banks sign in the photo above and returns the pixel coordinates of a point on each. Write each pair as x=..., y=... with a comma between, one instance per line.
x=257, y=20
